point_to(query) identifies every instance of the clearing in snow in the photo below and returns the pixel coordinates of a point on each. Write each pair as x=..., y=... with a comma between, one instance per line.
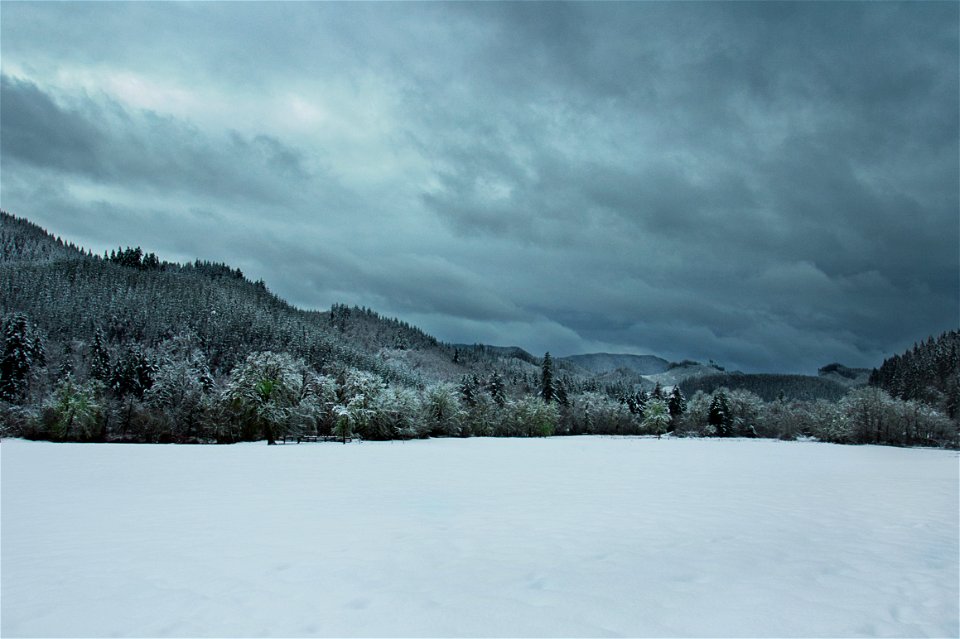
x=582, y=536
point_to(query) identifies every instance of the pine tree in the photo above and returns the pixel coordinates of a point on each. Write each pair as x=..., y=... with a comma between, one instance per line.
x=657, y=391
x=74, y=411
x=657, y=416
x=22, y=352
x=133, y=374
x=546, y=379
x=99, y=359
x=561, y=394
x=66, y=364
x=719, y=416
x=467, y=392
x=677, y=405
x=496, y=389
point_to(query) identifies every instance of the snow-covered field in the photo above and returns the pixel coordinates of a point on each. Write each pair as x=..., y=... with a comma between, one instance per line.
x=481, y=537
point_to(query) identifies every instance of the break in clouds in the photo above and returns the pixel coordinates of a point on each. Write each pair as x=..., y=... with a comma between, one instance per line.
x=773, y=186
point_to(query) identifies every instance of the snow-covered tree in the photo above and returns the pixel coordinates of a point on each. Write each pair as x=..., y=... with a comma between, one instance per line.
x=75, y=411
x=561, y=395
x=496, y=389
x=133, y=373
x=695, y=421
x=99, y=358
x=180, y=397
x=396, y=414
x=719, y=416
x=357, y=394
x=22, y=354
x=318, y=397
x=657, y=392
x=263, y=392
x=351, y=417
x=745, y=410
x=596, y=413
x=656, y=416
x=546, y=379
x=441, y=408
x=829, y=422
x=677, y=404
x=467, y=391
x=483, y=418
x=534, y=417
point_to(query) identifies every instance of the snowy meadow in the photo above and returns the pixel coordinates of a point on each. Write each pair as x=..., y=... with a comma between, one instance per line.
x=573, y=536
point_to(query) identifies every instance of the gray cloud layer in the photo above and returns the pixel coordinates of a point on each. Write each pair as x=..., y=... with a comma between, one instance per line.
x=770, y=185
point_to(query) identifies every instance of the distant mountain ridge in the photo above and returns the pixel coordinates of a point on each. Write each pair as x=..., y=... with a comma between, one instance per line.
x=845, y=375
x=598, y=363
x=500, y=351
x=768, y=386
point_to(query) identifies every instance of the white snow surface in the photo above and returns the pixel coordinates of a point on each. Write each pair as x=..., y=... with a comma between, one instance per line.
x=576, y=536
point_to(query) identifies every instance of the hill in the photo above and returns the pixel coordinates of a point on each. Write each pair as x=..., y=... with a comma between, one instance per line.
x=929, y=372
x=769, y=387
x=680, y=371
x=850, y=377
x=71, y=295
x=607, y=362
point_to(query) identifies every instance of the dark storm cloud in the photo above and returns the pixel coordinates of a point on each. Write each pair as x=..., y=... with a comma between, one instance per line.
x=102, y=141
x=36, y=130
x=773, y=185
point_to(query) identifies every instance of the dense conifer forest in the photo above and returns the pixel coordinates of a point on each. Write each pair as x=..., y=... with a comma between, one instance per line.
x=128, y=347
x=768, y=387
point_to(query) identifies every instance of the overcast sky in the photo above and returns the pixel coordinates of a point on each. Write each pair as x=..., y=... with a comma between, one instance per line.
x=773, y=186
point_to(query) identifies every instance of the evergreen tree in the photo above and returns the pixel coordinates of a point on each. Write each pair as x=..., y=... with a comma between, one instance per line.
x=99, y=359
x=467, y=395
x=546, y=379
x=656, y=416
x=74, y=411
x=561, y=394
x=22, y=352
x=66, y=363
x=719, y=416
x=133, y=374
x=496, y=389
x=657, y=392
x=677, y=404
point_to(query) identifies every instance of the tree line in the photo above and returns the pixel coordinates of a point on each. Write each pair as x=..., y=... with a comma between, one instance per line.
x=170, y=395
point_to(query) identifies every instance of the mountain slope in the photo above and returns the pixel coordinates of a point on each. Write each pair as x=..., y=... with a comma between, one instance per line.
x=929, y=372
x=768, y=386
x=71, y=295
x=851, y=377
x=607, y=362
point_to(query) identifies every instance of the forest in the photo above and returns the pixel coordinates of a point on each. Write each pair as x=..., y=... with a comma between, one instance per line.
x=126, y=347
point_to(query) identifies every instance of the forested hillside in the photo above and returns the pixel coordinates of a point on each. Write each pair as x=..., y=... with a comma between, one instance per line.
x=768, y=387
x=71, y=295
x=930, y=373
x=850, y=377
x=605, y=362
x=128, y=347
